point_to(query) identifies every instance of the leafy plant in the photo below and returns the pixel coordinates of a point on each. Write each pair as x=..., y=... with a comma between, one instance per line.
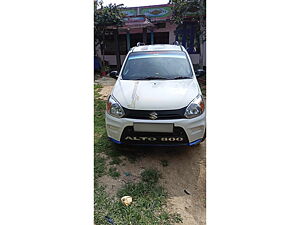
x=105, y=16
x=190, y=10
x=183, y=8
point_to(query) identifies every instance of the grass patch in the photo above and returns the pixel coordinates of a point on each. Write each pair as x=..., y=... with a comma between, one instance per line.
x=99, y=166
x=150, y=176
x=101, y=142
x=115, y=161
x=113, y=172
x=164, y=163
x=148, y=207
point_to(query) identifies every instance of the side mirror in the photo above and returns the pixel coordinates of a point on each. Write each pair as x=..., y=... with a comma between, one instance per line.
x=114, y=74
x=200, y=73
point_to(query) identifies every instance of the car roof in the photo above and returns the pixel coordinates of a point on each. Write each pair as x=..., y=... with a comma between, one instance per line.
x=157, y=47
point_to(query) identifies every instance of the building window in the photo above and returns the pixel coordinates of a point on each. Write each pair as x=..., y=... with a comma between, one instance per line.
x=110, y=45
x=123, y=44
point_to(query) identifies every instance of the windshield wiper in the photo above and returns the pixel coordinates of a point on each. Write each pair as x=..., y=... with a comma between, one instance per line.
x=181, y=77
x=153, y=78
x=162, y=78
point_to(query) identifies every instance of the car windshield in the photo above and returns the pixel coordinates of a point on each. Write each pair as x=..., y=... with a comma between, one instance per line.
x=166, y=65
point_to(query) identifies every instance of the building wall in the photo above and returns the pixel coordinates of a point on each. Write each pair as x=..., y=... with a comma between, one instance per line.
x=112, y=59
x=169, y=28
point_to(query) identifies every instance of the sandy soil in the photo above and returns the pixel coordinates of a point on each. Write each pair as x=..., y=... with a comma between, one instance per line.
x=184, y=177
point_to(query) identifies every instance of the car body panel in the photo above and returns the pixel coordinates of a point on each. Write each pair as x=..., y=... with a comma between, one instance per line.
x=155, y=94
x=194, y=128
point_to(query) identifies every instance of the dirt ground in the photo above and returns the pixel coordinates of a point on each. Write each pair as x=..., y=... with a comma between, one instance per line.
x=183, y=172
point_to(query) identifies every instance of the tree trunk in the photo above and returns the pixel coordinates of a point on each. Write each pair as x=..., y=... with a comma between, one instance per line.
x=117, y=46
x=103, y=46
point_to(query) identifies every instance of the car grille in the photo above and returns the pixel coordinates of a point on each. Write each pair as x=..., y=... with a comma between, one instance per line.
x=160, y=114
x=178, y=137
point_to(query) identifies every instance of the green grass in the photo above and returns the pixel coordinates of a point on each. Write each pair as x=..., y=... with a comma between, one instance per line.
x=147, y=208
x=164, y=163
x=101, y=142
x=149, y=198
x=99, y=166
x=115, y=161
x=150, y=176
x=113, y=172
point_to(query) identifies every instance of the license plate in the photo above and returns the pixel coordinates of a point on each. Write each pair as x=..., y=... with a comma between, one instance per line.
x=153, y=127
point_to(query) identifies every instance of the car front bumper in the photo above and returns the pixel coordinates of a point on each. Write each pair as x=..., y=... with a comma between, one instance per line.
x=194, y=130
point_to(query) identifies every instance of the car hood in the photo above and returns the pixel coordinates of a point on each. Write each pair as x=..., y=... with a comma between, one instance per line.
x=155, y=94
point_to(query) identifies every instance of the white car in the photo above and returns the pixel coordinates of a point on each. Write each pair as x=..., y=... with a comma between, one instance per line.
x=156, y=99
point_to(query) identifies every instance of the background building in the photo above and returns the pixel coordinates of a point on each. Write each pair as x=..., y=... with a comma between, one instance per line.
x=151, y=25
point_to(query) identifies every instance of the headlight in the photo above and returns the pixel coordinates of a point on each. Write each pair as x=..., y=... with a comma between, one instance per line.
x=195, y=108
x=114, y=108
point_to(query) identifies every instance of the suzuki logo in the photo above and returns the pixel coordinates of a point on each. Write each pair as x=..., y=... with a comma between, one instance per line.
x=153, y=116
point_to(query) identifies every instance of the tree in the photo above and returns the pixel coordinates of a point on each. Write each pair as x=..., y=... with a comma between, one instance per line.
x=104, y=17
x=181, y=12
